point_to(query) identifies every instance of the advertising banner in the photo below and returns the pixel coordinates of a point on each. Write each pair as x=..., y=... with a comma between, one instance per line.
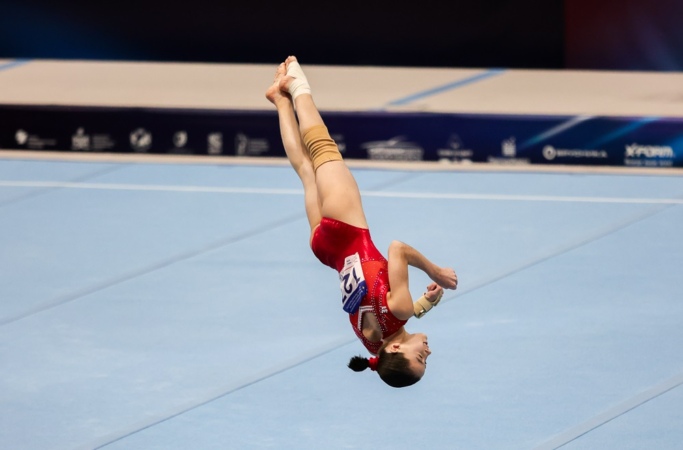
x=387, y=136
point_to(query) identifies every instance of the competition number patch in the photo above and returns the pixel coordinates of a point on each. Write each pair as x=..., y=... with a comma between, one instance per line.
x=352, y=283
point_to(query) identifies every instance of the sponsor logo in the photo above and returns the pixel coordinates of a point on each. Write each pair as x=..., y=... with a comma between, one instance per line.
x=648, y=151
x=21, y=137
x=550, y=153
x=454, y=150
x=509, y=147
x=394, y=149
x=180, y=139
x=80, y=141
x=246, y=146
x=32, y=141
x=215, y=143
x=140, y=140
x=649, y=155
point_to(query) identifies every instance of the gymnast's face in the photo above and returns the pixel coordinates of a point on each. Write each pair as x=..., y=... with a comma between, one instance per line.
x=416, y=351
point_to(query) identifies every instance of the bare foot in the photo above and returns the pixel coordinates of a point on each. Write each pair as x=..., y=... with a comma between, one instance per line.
x=274, y=94
x=284, y=83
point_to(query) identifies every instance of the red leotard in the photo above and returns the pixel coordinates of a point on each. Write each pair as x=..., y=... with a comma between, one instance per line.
x=332, y=242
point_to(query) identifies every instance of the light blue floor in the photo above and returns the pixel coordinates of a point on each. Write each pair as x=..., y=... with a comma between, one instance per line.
x=164, y=306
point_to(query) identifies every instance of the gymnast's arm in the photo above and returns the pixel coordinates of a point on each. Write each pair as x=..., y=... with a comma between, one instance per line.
x=400, y=257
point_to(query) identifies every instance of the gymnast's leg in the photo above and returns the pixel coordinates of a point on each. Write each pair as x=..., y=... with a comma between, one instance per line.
x=294, y=147
x=338, y=193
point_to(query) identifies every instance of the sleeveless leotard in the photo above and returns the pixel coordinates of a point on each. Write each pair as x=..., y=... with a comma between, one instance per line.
x=332, y=242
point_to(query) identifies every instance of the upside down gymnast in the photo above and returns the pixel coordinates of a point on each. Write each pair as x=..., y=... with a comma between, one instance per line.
x=375, y=290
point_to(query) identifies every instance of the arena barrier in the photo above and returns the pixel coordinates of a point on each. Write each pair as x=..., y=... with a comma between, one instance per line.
x=380, y=135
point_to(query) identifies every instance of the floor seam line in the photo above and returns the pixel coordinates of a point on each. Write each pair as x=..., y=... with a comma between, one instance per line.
x=562, y=251
x=221, y=394
x=148, y=269
x=611, y=414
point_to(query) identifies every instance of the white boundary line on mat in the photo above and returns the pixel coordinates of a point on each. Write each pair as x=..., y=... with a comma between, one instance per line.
x=385, y=194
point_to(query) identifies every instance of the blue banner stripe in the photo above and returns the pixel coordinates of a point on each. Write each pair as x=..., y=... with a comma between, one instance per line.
x=622, y=131
x=554, y=131
x=446, y=87
x=15, y=63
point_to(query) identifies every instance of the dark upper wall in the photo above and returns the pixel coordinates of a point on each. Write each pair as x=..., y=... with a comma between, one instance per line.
x=624, y=34
x=590, y=34
x=371, y=32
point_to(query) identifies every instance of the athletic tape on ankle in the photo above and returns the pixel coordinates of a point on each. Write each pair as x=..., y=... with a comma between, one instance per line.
x=300, y=84
x=320, y=146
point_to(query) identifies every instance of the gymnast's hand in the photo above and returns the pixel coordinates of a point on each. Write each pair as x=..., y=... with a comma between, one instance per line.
x=434, y=291
x=446, y=277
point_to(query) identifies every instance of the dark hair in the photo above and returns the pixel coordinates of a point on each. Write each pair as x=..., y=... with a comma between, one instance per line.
x=393, y=368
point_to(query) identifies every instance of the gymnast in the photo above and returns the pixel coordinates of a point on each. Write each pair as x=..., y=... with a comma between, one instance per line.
x=375, y=290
